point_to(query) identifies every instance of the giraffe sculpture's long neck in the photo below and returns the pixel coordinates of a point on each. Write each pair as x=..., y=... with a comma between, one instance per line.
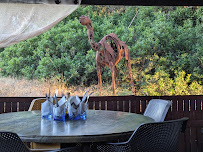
x=90, y=33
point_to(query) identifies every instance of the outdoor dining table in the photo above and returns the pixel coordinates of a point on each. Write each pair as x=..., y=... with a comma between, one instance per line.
x=100, y=126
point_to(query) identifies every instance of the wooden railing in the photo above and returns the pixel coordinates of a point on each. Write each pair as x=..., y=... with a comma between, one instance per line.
x=182, y=106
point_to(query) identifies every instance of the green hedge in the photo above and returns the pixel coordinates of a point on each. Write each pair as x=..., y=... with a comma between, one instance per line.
x=165, y=45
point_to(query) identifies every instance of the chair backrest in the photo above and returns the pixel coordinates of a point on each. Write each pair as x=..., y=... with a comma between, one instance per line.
x=157, y=136
x=157, y=109
x=10, y=142
x=36, y=104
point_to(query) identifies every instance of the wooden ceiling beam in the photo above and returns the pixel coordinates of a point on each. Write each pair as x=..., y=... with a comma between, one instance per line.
x=144, y=2
x=115, y=2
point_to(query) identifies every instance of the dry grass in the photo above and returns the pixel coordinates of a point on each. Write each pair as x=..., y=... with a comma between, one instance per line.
x=12, y=87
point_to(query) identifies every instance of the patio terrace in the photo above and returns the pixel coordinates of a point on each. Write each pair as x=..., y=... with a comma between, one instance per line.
x=182, y=106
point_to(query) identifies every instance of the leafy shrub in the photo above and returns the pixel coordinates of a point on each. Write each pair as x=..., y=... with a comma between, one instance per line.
x=161, y=40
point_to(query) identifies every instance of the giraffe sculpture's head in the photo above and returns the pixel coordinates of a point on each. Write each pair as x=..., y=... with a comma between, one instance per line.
x=85, y=20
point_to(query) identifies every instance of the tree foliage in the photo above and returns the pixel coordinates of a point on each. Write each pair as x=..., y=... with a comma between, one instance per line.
x=165, y=45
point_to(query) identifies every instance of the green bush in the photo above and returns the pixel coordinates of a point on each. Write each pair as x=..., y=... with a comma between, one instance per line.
x=165, y=45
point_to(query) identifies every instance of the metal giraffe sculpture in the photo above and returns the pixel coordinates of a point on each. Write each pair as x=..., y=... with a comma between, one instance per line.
x=110, y=50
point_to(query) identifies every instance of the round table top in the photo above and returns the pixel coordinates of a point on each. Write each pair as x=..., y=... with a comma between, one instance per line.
x=99, y=126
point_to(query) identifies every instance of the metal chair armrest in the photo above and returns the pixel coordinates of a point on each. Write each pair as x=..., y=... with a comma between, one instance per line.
x=68, y=149
x=118, y=143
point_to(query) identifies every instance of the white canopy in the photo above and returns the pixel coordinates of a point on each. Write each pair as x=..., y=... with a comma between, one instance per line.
x=21, y=21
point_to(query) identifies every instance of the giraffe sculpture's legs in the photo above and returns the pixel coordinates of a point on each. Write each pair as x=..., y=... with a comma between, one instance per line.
x=116, y=76
x=112, y=67
x=99, y=78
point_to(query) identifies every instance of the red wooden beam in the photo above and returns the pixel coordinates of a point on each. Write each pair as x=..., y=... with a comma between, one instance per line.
x=144, y=2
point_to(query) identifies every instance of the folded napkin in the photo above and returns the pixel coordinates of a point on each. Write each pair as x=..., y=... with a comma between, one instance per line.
x=46, y=108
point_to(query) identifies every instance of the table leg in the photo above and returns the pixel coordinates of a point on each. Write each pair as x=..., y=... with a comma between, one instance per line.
x=44, y=146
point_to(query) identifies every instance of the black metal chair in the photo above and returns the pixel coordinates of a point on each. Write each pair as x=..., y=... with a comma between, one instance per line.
x=148, y=137
x=11, y=142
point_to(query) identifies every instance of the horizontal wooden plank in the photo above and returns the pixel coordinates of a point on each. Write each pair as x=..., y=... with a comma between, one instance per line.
x=17, y=99
x=114, y=2
x=119, y=101
x=144, y=2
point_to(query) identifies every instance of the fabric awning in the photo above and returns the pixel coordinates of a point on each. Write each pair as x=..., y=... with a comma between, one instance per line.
x=21, y=21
